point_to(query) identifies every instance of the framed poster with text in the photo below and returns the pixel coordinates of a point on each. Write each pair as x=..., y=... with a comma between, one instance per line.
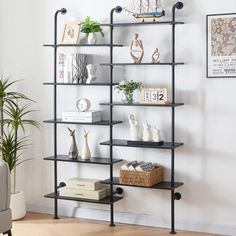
x=221, y=45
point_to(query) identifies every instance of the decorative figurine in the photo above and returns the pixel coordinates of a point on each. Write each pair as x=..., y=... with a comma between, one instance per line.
x=134, y=128
x=136, y=49
x=156, y=135
x=147, y=134
x=91, y=73
x=156, y=56
x=83, y=105
x=86, y=154
x=73, y=152
x=76, y=68
x=146, y=9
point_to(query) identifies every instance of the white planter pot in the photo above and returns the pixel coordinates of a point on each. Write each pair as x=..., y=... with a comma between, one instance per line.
x=17, y=205
x=92, y=38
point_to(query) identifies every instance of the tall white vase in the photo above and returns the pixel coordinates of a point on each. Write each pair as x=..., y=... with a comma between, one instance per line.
x=92, y=38
x=147, y=133
x=17, y=205
x=86, y=154
x=134, y=128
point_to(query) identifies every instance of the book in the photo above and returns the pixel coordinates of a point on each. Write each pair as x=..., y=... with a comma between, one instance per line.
x=83, y=193
x=82, y=119
x=79, y=114
x=82, y=183
x=61, y=68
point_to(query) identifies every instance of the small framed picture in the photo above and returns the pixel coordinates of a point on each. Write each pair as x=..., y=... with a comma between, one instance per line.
x=221, y=45
x=154, y=96
x=71, y=33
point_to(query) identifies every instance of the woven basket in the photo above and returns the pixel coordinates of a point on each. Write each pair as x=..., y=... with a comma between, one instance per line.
x=142, y=178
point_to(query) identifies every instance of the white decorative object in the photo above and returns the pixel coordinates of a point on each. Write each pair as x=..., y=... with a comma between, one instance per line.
x=136, y=49
x=17, y=205
x=73, y=152
x=92, y=38
x=86, y=154
x=156, y=135
x=83, y=117
x=124, y=97
x=147, y=133
x=156, y=56
x=83, y=105
x=154, y=96
x=91, y=73
x=134, y=128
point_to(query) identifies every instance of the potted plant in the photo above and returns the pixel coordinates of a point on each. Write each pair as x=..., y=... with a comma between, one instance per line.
x=127, y=88
x=90, y=28
x=14, y=107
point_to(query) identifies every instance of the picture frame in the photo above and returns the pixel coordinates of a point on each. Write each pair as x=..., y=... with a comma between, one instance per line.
x=220, y=45
x=71, y=33
x=154, y=96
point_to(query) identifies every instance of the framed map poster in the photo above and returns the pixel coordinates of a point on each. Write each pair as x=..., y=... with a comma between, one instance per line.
x=221, y=45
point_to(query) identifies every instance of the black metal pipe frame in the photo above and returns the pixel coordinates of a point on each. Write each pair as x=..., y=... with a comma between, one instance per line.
x=178, y=5
x=62, y=11
x=117, y=9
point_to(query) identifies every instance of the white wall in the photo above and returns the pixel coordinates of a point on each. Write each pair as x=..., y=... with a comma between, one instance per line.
x=206, y=164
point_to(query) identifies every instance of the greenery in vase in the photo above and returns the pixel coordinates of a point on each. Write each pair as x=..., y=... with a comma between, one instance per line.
x=90, y=26
x=14, y=108
x=128, y=88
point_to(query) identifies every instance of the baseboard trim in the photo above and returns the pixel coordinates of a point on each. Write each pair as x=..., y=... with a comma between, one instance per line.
x=137, y=219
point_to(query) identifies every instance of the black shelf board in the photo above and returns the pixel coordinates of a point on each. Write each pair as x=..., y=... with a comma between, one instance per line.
x=165, y=185
x=70, y=84
x=106, y=200
x=102, y=123
x=83, y=45
x=124, y=24
x=143, y=64
x=124, y=143
x=141, y=104
x=93, y=160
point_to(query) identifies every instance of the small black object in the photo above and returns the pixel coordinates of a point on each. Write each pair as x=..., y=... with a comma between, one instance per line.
x=179, y=5
x=118, y=9
x=130, y=142
x=61, y=185
x=63, y=11
x=178, y=196
x=119, y=190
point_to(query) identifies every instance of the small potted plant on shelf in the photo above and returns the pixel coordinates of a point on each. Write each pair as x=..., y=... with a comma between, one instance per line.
x=90, y=28
x=127, y=88
x=14, y=108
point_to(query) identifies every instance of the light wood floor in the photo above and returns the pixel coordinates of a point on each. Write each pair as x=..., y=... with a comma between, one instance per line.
x=43, y=225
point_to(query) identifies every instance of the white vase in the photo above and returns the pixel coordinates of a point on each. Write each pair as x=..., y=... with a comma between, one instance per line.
x=86, y=154
x=147, y=133
x=134, y=128
x=17, y=205
x=92, y=38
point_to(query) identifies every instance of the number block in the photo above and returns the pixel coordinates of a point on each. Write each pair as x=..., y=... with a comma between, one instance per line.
x=154, y=96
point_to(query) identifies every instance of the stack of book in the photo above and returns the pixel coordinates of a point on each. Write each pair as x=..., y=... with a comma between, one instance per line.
x=84, y=188
x=86, y=117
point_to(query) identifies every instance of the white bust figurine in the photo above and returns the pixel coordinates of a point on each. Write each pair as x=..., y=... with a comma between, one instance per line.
x=91, y=73
x=147, y=134
x=134, y=128
x=156, y=135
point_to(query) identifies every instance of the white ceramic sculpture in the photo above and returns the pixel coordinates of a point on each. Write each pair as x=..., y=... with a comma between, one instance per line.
x=86, y=154
x=91, y=73
x=73, y=152
x=147, y=134
x=156, y=135
x=134, y=128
